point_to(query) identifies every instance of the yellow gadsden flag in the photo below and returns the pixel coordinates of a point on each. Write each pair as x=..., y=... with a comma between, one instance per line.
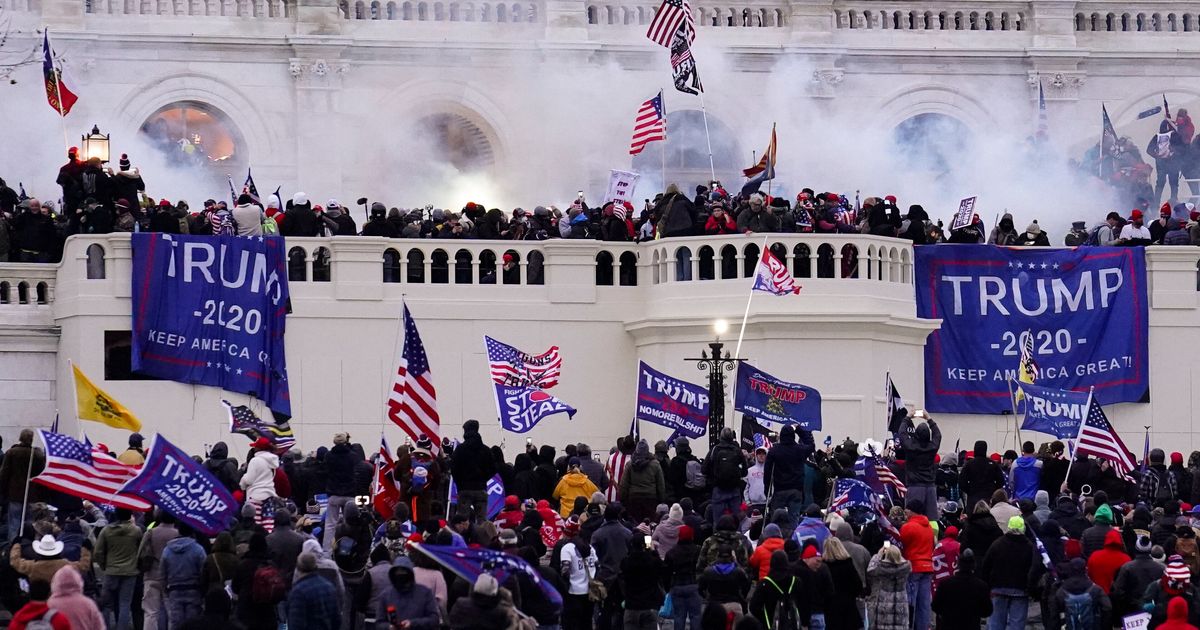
x=96, y=405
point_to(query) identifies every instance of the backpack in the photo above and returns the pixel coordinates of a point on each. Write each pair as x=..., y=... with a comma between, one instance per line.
x=43, y=623
x=727, y=467
x=1163, y=488
x=785, y=616
x=1093, y=238
x=1079, y=612
x=268, y=586
x=269, y=226
x=694, y=476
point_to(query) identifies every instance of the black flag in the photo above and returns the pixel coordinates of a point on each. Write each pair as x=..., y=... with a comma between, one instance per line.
x=683, y=65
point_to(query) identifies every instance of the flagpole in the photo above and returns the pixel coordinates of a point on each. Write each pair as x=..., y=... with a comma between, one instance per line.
x=1078, y=432
x=662, y=99
x=771, y=162
x=25, y=497
x=737, y=353
x=62, y=116
x=1012, y=399
x=1100, y=153
x=707, y=138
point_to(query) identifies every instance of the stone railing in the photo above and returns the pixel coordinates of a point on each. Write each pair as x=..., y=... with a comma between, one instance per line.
x=249, y=9
x=1121, y=18
x=26, y=284
x=905, y=16
x=423, y=11
x=641, y=13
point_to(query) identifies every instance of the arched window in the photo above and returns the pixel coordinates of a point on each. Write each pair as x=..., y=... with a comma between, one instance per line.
x=683, y=264
x=416, y=266
x=462, y=267
x=825, y=261
x=604, y=269
x=459, y=141
x=195, y=134
x=728, y=262
x=391, y=266
x=22, y=292
x=628, y=273
x=5, y=287
x=439, y=268
x=43, y=293
x=321, y=265
x=95, y=262
x=801, y=261
x=297, y=265
x=536, y=273
x=708, y=267
x=849, y=261
x=487, y=267
x=750, y=255
x=512, y=275
x=934, y=142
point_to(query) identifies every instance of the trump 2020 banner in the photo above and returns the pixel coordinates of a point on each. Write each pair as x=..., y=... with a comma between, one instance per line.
x=1058, y=412
x=767, y=398
x=1084, y=308
x=673, y=403
x=211, y=311
x=173, y=481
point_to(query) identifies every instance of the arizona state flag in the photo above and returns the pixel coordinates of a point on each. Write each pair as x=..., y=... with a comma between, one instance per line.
x=92, y=403
x=766, y=163
x=60, y=97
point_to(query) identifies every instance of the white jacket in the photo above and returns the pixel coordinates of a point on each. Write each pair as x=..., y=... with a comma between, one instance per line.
x=259, y=480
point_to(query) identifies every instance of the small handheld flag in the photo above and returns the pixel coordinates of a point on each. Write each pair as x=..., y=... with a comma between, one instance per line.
x=94, y=404
x=772, y=276
x=766, y=163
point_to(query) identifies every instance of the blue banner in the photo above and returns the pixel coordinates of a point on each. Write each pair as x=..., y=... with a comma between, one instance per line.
x=1085, y=309
x=1058, y=412
x=672, y=403
x=210, y=311
x=469, y=564
x=523, y=407
x=173, y=481
x=767, y=398
x=495, y=495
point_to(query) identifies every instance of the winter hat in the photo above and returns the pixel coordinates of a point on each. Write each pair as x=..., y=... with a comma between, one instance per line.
x=686, y=533
x=508, y=538
x=952, y=532
x=1034, y=228
x=598, y=498
x=306, y=562
x=124, y=162
x=676, y=512
x=1104, y=515
x=1072, y=549
x=573, y=463
x=486, y=585
x=341, y=438
x=1177, y=570
x=1177, y=458
x=916, y=506
x=771, y=530
x=1016, y=524
x=1142, y=544
x=123, y=203
x=571, y=526
x=810, y=551
x=248, y=510
x=299, y=199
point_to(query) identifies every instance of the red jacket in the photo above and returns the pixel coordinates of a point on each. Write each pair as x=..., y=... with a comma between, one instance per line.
x=1177, y=613
x=713, y=226
x=1102, y=566
x=33, y=611
x=760, y=560
x=917, y=537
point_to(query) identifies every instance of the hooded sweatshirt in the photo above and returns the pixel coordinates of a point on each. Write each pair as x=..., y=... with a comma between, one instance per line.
x=760, y=560
x=1005, y=233
x=1026, y=476
x=572, y=485
x=1177, y=613
x=1041, y=501
x=259, y=480
x=1075, y=583
x=643, y=477
x=248, y=218
x=34, y=611
x=917, y=538
x=66, y=596
x=183, y=563
x=1103, y=565
x=666, y=535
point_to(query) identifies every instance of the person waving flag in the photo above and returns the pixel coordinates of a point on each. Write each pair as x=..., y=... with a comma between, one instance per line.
x=772, y=276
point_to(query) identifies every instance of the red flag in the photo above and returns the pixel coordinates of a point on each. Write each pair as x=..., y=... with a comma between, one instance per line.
x=385, y=494
x=60, y=97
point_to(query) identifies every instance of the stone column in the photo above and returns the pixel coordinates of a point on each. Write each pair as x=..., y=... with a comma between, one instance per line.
x=811, y=21
x=319, y=71
x=1053, y=23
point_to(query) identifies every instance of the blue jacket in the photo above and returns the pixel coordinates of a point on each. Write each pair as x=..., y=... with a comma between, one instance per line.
x=313, y=605
x=1026, y=477
x=417, y=606
x=182, y=563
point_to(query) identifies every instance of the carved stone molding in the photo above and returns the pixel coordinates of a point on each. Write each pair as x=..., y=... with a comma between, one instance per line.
x=1059, y=86
x=318, y=72
x=825, y=82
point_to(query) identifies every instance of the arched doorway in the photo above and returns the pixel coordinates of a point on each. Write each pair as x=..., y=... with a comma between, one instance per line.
x=687, y=153
x=932, y=142
x=458, y=141
x=194, y=134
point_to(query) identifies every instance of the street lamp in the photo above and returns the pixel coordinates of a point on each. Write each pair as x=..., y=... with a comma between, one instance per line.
x=95, y=144
x=715, y=364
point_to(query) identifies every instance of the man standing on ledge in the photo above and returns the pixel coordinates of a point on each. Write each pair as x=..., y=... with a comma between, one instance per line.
x=921, y=444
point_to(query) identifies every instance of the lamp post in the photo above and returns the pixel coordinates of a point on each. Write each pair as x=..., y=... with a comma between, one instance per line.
x=715, y=364
x=95, y=144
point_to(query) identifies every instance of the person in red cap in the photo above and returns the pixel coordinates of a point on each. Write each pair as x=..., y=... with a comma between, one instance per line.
x=1183, y=477
x=510, y=517
x=259, y=480
x=1134, y=233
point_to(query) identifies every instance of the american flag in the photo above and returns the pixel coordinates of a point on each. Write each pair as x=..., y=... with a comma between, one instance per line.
x=761, y=441
x=514, y=368
x=683, y=66
x=264, y=515
x=889, y=478
x=650, y=124
x=615, y=469
x=851, y=493
x=412, y=403
x=242, y=420
x=772, y=276
x=88, y=472
x=846, y=215
x=671, y=16
x=1097, y=437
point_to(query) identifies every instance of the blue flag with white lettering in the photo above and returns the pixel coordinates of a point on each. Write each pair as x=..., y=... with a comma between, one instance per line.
x=173, y=481
x=672, y=403
x=1050, y=410
x=523, y=407
x=767, y=398
x=1085, y=309
x=211, y=311
x=495, y=495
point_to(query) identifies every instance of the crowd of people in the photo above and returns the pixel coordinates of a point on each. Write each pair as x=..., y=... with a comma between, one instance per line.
x=95, y=199
x=634, y=536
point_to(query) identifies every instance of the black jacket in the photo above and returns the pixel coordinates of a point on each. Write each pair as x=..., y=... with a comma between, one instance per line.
x=126, y=185
x=724, y=584
x=979, y=478
x=784, y=469
x=339, y=471
x=962, y=601
x=641, y=579
x=1066, y=513
x=727, y=450
x=300, y=221
x=1009, y=562
x=472, y=464
x=919, y=451
x=980, y=531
